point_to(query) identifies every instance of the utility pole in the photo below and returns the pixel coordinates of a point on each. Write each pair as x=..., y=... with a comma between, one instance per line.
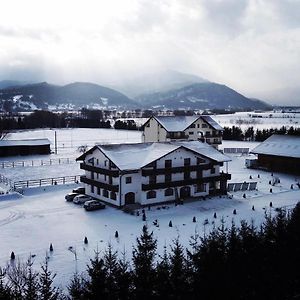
x=55, y=142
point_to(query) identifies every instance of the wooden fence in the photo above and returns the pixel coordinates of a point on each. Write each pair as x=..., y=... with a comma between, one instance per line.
x=19, y=185
x=37, y=162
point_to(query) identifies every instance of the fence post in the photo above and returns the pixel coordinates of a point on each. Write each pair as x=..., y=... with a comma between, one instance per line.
x=40, y=182
x=64, y=180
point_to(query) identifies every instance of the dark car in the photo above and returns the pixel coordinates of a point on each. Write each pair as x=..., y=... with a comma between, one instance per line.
x=93, y=205
x=70, y=196
x=79, y=190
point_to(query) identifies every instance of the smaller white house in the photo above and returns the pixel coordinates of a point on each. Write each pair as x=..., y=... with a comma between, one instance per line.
x=174, y=128
x=149, y=173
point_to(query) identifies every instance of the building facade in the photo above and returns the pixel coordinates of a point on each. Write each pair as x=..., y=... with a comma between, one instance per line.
x=150, y=173
x=190, y=128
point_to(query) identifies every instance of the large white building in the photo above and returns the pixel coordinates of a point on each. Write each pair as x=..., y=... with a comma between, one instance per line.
x=149, y=173
x=191, y=128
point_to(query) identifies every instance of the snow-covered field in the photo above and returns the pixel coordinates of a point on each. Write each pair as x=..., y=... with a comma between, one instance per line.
x=265, y=120
x=29, y=223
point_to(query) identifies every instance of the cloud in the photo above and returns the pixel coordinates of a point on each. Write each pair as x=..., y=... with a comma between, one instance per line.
x=250, y=45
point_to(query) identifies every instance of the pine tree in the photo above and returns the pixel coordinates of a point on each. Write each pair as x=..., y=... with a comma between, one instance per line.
x=143, y=260
x=5, y=293
x=95, y=285
x=31, y=287
x=163, y=283
x=110, y=259
x=123, y=279
x=77, y=287
x=178, y=271
x=47, y=291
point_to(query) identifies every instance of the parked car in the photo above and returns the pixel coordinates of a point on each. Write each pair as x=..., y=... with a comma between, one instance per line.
x=70, y=196
x=93, y=205
x=81, y=199
x=79, y=190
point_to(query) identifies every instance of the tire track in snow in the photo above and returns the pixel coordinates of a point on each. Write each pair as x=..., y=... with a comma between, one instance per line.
x=12, y=217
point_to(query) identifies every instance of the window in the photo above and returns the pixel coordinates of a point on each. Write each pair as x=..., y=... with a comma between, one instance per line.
x=105, y=163
x=110, y=179
x=98, y=190
x=200, y=161
x=168, y=163
x=187, y=161
x=168, y=177
x=105, y=177
x=198, y=125
x=199, y=188
x=213, y=171
x=92, y=189
x=113, y=195
x=152, y=179
x=92, y=175
x=199, y=174
x=187, y=175
x=105, y=193
x=191, y=132
x=151, y=194
x=97, y=161
x=128, y=179
x=204, y=125
x=169, y=192
x=193, y=126
x=148, y=125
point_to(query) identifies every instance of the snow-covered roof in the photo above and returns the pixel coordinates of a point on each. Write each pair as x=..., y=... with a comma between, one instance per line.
x=280, y=145
x=176, y=123
x=212, y=122
x=136, y=156
x=180, y=123
x=205, y=150
x=29, y=142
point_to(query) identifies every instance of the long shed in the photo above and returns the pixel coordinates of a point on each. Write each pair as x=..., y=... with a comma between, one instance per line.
x=279, y=153
x=24, y=147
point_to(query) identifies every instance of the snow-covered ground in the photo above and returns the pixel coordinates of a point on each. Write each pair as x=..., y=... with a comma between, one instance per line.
x=265, y=120
x=29, y=223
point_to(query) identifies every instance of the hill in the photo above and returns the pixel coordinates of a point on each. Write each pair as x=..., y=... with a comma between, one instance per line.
x=74, y=95
x=203, y=95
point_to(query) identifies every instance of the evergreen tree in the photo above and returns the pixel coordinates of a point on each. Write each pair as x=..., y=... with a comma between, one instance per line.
x=31, y=287
x=95, y=285
x=47, y=291
x=143, y=262
x=77, y=288
x=5, y=293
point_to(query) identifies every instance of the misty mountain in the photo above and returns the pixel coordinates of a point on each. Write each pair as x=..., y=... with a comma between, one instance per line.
x=156, y=82
x=74, y=95
x=205, y=95
x=12, y=83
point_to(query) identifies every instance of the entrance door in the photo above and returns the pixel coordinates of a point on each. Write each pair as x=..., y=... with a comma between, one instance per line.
x=129, y=198
x=185, y=192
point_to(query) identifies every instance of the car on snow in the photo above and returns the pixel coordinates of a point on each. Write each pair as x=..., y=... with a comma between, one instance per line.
x=70, y=196
x=81, y=199
x=93, y=205
x=79, y=190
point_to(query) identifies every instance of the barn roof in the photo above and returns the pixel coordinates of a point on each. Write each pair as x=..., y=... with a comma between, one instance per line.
x=28, y=142
x=136, y=156
x=280, y=145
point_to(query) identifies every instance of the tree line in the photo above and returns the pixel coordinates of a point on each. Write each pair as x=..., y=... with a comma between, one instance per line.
x=45, y=119
x=241, y=262
x=237, y=134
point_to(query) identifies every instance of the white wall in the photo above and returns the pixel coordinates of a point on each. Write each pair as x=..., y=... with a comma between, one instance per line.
x=155, y=132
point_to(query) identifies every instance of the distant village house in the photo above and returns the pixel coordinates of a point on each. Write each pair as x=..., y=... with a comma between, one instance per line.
x=191, y=128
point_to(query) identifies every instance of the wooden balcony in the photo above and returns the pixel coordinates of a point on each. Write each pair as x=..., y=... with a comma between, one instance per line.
x=109, y=187
x=163, y=185
x=148, y=172
x=91, y=168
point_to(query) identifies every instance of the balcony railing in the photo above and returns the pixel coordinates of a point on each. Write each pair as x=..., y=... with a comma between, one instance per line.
x=91, y=168
x=109, y=187
x=177, y=135
x=147, y=172
x=163, y=185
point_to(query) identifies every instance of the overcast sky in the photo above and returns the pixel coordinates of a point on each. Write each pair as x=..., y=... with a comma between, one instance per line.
x=251, y=45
